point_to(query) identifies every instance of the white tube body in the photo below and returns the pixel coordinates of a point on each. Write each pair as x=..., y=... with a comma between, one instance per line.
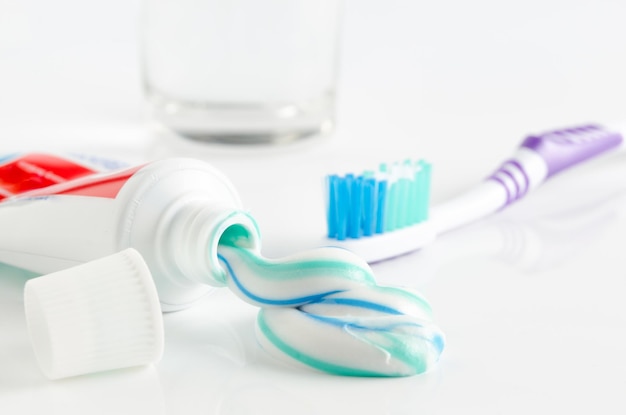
x=46, y=235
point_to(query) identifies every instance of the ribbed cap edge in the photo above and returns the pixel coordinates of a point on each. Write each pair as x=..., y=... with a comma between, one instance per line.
x=97, y=316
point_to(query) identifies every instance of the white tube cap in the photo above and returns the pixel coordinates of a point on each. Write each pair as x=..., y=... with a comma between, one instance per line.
x=97, y=316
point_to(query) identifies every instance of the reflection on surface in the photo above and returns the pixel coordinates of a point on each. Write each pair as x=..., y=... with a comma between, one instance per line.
x=265, y=391
x=552, y=240
x=205, y=346
x=12, y=282
x=18, y=367
x=128, y=391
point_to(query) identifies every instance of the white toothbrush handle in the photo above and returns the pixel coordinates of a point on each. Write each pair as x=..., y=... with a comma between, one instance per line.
x=538, y=158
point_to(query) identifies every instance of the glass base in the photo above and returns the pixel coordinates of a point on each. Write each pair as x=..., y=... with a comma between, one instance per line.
x=231, y=123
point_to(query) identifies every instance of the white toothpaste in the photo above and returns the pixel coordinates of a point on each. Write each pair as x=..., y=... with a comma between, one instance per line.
x=56, y=213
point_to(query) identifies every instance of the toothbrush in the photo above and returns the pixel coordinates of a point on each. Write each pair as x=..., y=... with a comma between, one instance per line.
x=383, y=214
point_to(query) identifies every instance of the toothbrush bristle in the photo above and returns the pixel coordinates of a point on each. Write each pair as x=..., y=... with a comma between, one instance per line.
x=394, y=197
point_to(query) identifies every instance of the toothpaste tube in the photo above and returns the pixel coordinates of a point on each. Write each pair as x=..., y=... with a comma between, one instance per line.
x=56, y=213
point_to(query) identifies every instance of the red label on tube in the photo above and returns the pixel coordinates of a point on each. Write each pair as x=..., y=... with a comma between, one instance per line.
x=35, y=171
x=97, y=185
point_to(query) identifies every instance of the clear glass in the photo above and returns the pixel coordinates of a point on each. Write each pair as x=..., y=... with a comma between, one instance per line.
x=241, y=71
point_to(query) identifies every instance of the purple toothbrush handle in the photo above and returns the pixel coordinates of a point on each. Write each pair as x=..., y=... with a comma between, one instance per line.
x=564, y=148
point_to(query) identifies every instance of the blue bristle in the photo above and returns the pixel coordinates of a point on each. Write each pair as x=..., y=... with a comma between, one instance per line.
x=369, y=206
x=354, y=220
x=343, y=217
x=335, y=206
x=331, y=206
x=381, y=206
x=361, y=206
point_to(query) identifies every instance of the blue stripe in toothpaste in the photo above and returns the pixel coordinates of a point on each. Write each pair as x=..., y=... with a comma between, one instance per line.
x=322, y=308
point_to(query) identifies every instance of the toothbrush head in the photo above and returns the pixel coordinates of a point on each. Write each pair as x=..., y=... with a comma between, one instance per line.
x=392, y=200
x=374, y=202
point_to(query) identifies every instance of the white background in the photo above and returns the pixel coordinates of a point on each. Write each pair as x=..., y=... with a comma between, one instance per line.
x=531, y=299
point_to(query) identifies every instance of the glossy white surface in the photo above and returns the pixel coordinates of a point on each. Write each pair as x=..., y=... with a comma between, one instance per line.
x=531, y=299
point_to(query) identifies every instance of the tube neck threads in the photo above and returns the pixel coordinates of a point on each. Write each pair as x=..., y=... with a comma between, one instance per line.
x=198, y=228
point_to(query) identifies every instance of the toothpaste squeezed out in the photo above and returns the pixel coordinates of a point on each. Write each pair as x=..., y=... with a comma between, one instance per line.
x=321, y=308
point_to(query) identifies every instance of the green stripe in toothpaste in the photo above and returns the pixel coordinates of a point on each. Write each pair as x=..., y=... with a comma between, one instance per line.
x=279, y=270
x=309, y=360
x=347, y=325
x=372, y=346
